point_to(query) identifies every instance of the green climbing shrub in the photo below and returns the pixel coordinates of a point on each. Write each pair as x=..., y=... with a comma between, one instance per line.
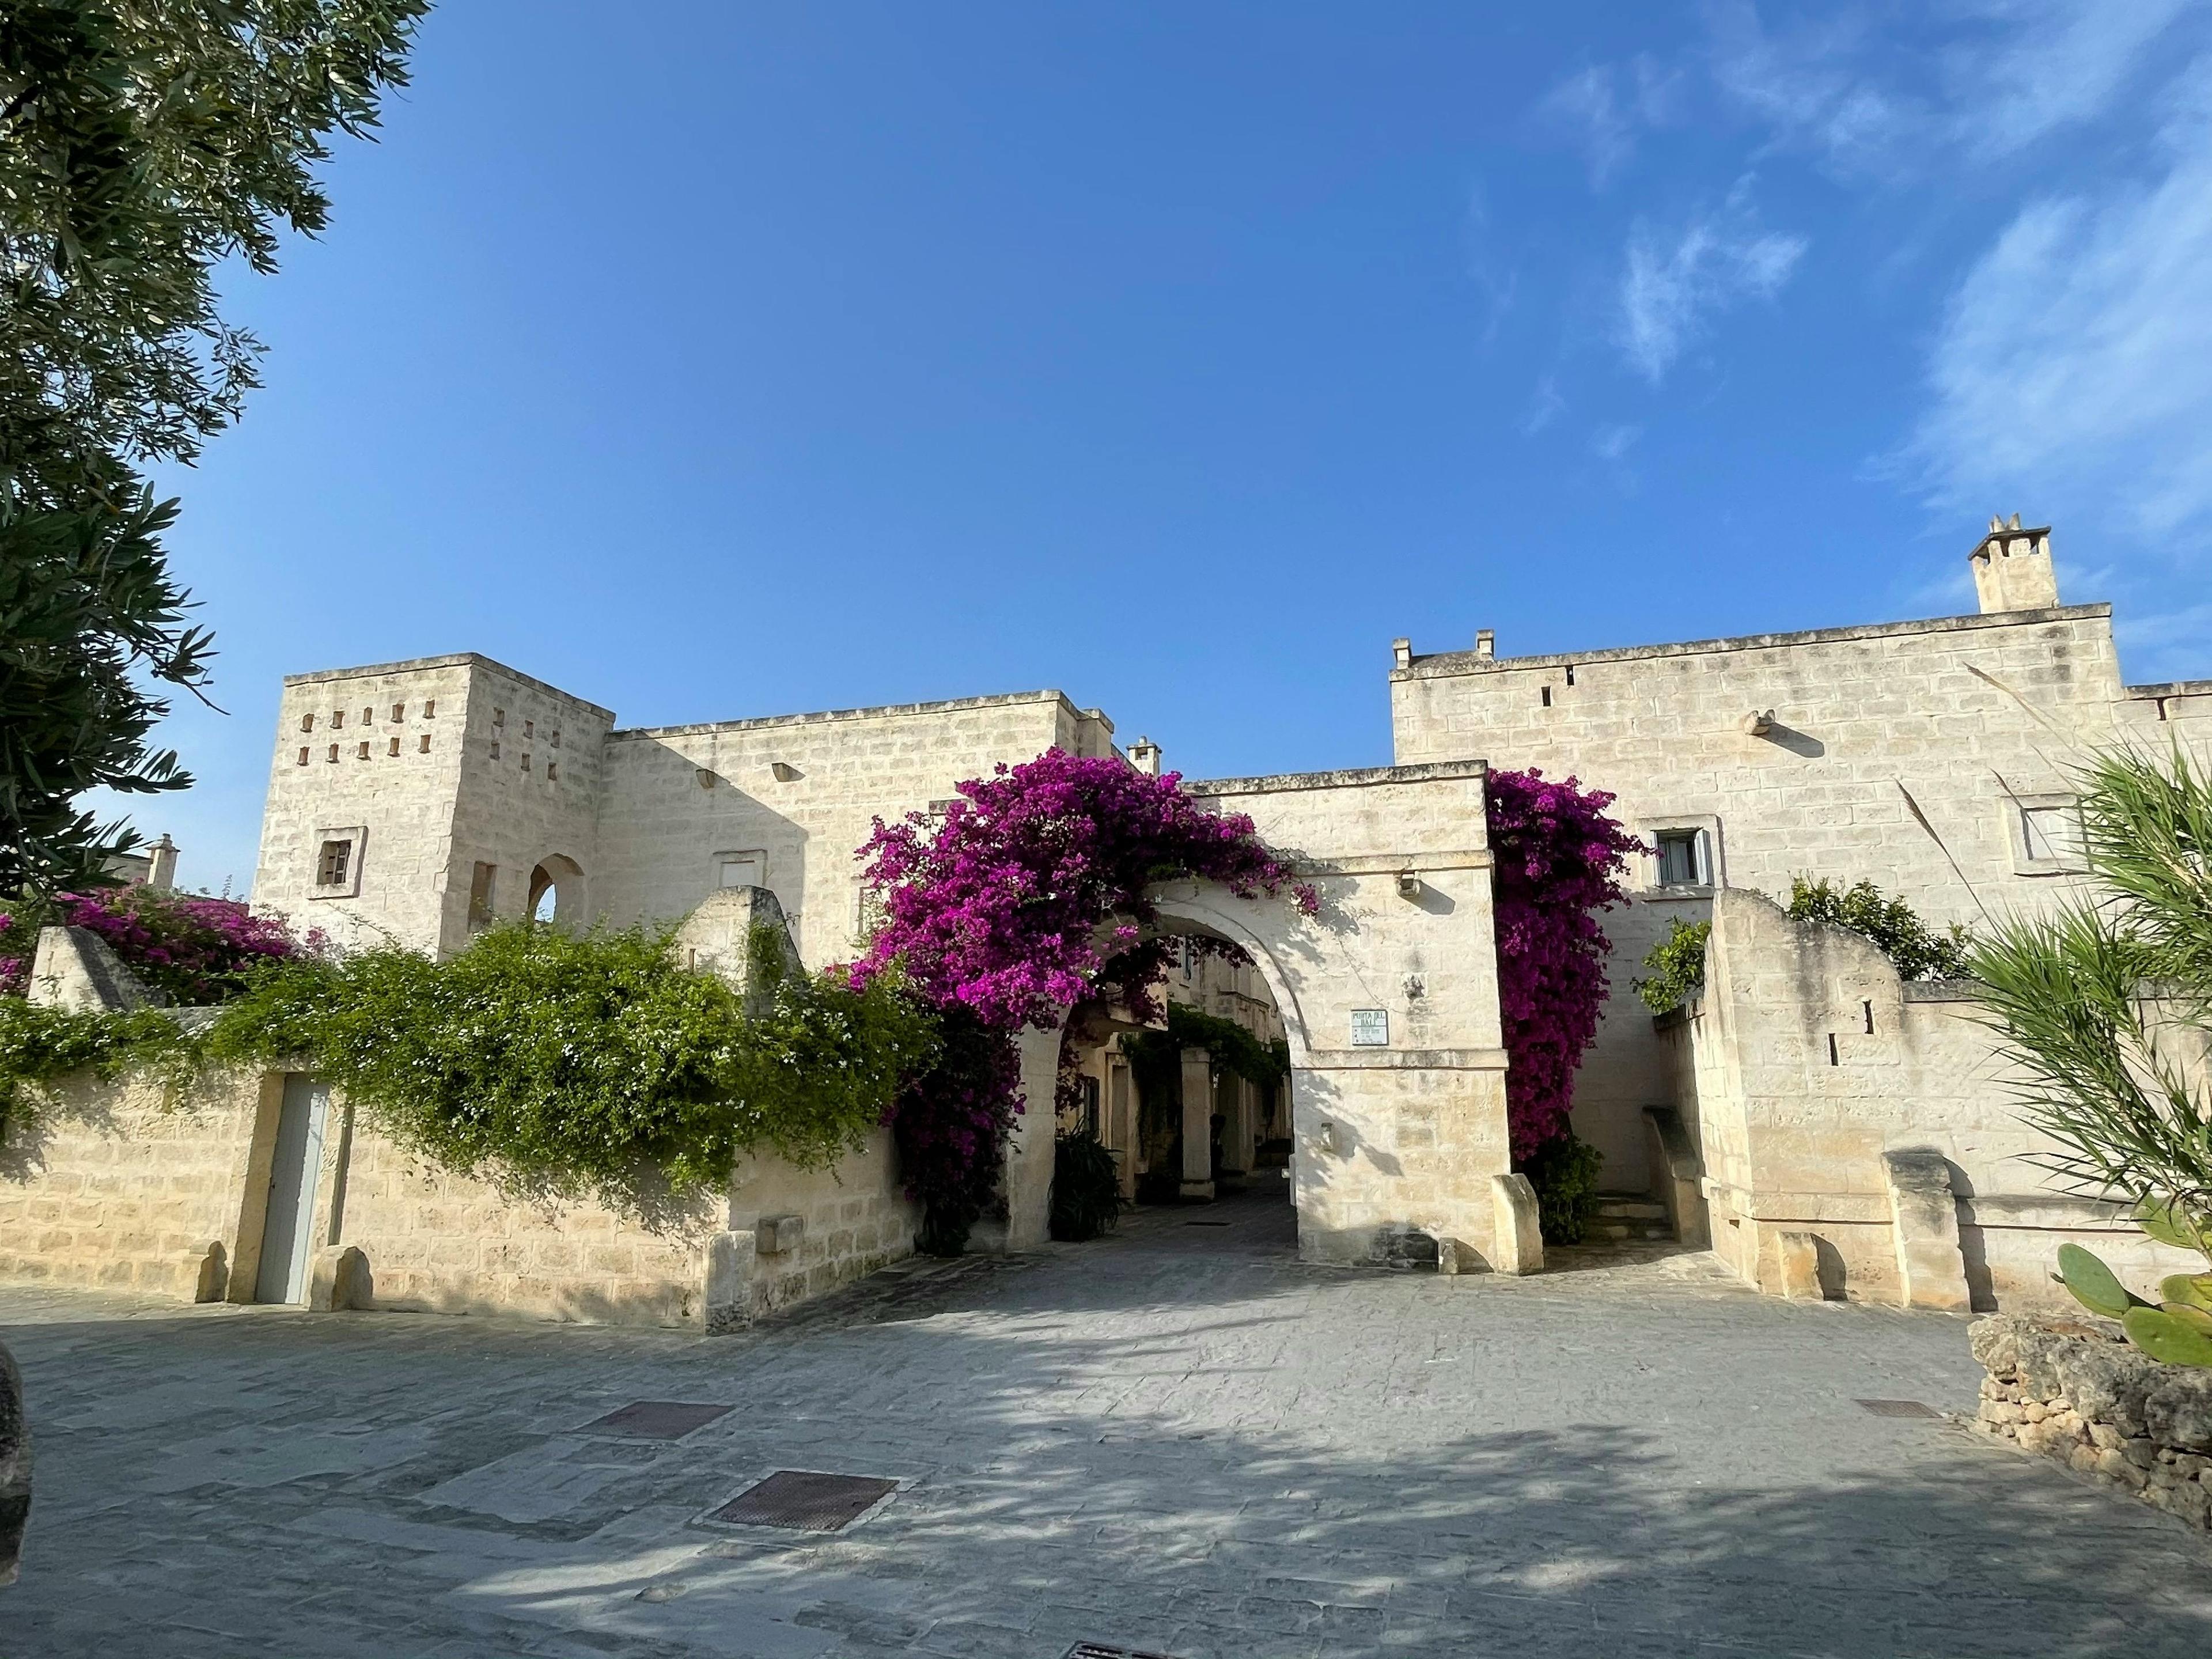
x=1893, y=926
x=536, y=1058
x=1675, y=970
x=1564, y=1170
x=40, y=1045
x=1086, y=1187
x=569, y=1060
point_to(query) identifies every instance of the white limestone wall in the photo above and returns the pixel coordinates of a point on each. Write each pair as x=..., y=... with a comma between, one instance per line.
x=1807, y=1060
x=801, y=792
x=1873, y=729
x=1401, y=1137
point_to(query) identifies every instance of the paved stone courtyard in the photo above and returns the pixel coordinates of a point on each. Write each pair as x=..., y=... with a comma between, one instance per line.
x=1178, y=1440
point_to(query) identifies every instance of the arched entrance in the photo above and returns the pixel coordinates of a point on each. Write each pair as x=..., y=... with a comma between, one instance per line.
x=1193, y=1106
x=556, y=891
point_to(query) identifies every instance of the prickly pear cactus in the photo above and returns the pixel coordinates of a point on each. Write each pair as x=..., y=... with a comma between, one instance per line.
x=2177, y=1331
x=2094, y=1285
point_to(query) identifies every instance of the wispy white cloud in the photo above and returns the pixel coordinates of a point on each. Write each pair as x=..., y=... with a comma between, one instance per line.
x=1546, y=405
x=1673, y=282
x=1602, y=108
x=1610, y=443
x=2074, y=359
x=2010, y=73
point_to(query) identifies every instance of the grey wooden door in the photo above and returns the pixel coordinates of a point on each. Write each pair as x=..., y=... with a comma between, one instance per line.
x=292, y=1172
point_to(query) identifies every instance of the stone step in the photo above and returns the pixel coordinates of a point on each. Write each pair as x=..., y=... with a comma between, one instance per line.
x=1616, y=1206
x=1615, y=1232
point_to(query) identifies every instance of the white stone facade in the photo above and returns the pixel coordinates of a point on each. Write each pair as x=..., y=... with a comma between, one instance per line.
x=1930, y=758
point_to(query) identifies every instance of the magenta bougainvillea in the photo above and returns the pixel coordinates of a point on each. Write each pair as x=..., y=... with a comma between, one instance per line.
x=1558, y=863
x=192, y=948
x=1015, y=905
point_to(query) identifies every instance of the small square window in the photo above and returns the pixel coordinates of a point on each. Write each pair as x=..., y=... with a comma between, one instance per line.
x=307, y=722
x=425, y=748
x=337, y=719
x=2045, y=832
x=337, y=862
x=430, y=709
x=303, y=754
x=395, y=746
x=1682, y=858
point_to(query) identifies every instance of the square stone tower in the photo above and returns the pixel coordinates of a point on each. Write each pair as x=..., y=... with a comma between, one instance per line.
x=419, y=800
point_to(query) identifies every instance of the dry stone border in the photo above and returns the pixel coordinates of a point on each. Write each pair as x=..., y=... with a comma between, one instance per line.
x=2077, y=1390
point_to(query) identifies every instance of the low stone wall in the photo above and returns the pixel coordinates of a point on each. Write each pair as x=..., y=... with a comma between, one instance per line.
x=2077, y=1390
x=106, y=1184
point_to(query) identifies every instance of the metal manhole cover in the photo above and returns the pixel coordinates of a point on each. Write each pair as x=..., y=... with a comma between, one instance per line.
x=1105, y=1650
x=655, y=1419
x=1899, y=1408
x=807, y=1501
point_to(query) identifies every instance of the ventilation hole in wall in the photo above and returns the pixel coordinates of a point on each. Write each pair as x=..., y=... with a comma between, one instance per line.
x=303, y=754
x=307, y=722
x=556, y=739
x=430, y=709
x=552, y=771
x=495, y=748
x=1832, y=1060
x=499, y=717
x=368, y=717
x=530, y=728
x=1571, y=673
x=2161, y=708
x=364, y=752
x=1868, y=1008
x=334, y=751
x=399, y=711
x=337, y=719
x=395, y=746
x=1547, y=697
x=526, y=763
x=426, y=744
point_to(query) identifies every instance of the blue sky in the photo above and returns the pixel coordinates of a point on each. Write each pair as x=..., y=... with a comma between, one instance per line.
x=742, y=360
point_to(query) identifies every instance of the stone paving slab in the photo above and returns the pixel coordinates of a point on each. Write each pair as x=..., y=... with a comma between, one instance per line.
x=1178, y=1439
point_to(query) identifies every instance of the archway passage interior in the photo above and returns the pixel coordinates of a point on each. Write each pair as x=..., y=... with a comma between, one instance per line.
x=1194, y=1109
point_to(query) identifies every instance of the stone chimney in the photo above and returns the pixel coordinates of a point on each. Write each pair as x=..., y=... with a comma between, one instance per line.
x=2012, y=569
x=162, y=866
x=1144, y=755
x=1485, y=642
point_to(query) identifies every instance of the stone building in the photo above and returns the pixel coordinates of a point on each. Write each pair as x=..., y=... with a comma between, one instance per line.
x=1931, y=757
x=1828, y=1129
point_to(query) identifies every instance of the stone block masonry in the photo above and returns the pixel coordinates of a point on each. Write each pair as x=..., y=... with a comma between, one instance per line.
x=2078, y=1392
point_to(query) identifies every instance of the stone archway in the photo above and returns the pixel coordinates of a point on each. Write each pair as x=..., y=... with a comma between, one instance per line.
x=556, y=891
x=1389, y=1002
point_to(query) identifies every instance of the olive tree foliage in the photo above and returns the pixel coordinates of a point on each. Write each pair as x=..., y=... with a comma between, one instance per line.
x=142, y=143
